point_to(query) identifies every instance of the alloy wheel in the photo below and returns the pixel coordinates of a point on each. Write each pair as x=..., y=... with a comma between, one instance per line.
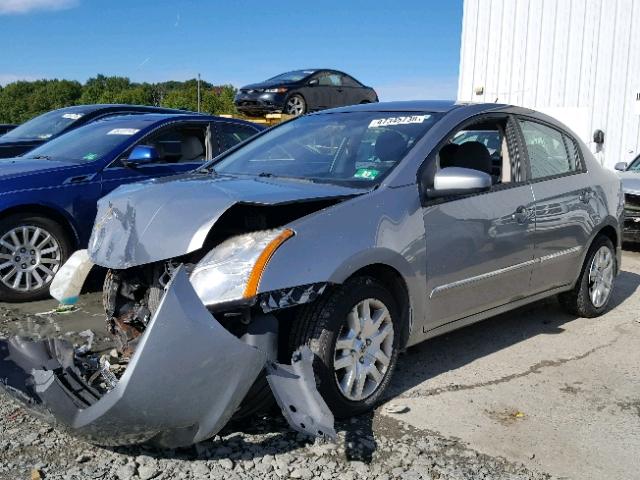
x=29, y=258
x=363, y=349
x=601, y=276
x=295, y=106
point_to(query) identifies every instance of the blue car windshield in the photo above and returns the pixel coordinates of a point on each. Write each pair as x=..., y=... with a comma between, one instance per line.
x=85, y=144
x=43, y=126
x=352, y=148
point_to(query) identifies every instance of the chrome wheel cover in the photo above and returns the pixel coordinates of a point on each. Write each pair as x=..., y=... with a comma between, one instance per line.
x=601, y=276
x=295, y=106
x=29, y=258
x=363, y=350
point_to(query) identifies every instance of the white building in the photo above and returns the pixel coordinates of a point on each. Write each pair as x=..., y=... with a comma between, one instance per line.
x=577, y=60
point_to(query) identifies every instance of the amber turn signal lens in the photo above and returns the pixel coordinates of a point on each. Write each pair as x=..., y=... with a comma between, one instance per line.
x=256, y=273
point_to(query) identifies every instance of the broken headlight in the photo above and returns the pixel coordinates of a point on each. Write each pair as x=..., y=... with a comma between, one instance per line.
x=233, y=269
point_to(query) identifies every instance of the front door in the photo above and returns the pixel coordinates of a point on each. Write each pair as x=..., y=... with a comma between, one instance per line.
x=479, y=248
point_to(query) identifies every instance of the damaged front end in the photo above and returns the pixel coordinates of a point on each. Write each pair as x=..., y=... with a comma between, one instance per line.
x=185, y=377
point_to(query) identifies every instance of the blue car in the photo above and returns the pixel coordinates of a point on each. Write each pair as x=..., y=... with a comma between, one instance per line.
x=48, y=196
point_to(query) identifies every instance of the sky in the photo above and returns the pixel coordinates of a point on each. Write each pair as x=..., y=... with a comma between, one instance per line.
x=405, y=49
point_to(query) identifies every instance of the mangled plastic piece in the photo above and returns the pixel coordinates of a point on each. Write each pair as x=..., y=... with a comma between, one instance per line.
x=67, y=284
x=183, y=384
x=295, y=391
x=290, y=297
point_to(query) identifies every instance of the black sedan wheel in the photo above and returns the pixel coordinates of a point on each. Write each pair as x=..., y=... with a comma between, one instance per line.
x=32, y=249
x=295, y=105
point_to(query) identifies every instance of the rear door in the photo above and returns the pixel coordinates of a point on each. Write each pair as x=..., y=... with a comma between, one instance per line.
x=564, y=203
x=182, y=147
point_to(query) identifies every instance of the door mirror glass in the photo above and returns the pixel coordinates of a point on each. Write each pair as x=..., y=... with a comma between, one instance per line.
x=459, y=181
x=622, y=166
x=142, y=154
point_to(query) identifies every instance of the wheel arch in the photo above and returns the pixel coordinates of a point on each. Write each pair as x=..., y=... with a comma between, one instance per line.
x=49, y=212
x=393, y=281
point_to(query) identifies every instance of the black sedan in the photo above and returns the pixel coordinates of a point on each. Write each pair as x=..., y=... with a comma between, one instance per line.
x=302, y=91
x=6, y=127
x=52, y=124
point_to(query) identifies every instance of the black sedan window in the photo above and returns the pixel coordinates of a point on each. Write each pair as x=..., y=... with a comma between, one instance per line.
x=43, y=126
x=352, y=148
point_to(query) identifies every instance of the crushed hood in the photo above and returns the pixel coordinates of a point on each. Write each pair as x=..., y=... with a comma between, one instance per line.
x=164, y=218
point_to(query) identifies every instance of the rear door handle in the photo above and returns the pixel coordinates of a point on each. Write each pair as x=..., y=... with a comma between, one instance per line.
x=521, y=215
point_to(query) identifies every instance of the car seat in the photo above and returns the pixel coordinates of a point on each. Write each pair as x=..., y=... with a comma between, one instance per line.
x=447, y=153
x=390, y=146
x=473, y=155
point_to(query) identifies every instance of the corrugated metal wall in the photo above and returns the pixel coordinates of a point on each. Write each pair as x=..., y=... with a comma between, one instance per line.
x=578, y=60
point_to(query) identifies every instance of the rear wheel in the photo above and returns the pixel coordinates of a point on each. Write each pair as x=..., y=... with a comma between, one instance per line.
x=592, y=293
x=32, y=249
x=353, y=332
x=295, y=105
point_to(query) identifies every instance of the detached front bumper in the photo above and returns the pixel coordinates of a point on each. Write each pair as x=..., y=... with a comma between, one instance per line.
x=184, y=382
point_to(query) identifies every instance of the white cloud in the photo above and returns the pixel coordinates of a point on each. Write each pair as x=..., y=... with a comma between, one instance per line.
x=6, y=78
x=8, y=7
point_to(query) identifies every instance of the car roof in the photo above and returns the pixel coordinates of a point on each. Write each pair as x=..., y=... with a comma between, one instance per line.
x=143, y=120
x=85, y=109
x=438, y=106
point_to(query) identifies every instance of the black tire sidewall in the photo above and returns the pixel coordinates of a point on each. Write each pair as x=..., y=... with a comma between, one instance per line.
x=52, y=227
x=347, y=297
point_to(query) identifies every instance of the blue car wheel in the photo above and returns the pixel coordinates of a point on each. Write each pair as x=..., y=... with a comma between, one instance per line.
x=32, y=249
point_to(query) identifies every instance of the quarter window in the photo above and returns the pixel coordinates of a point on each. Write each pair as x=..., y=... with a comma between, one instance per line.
x=547, y=149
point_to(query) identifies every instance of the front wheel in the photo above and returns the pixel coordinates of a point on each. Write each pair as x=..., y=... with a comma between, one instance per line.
x=591, y=295
x=295, y=105
x=353, y=332
x=32, y=249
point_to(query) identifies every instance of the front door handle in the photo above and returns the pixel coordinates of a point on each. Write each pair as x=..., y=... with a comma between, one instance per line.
x=521, y=215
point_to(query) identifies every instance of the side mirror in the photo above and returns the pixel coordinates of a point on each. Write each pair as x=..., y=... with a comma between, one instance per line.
x=459, y=181
x=622, y=166
x=313, y=82
x=142, y=154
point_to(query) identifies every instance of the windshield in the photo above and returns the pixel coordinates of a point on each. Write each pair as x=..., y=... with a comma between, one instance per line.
x=291, y=76
x=85, y=144
x=44, y=126
x=356, y=149
x=635, y=165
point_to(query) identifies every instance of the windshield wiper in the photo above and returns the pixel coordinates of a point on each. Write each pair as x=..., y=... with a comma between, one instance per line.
x=41, y=157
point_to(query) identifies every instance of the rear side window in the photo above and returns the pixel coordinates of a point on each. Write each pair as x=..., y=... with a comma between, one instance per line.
x=233, y=133
x=347, y=81
x=550, y=151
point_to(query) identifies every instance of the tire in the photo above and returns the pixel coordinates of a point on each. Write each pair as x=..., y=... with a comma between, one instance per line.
x=295, y=105
x=36, y=247
x=599, y=265
x=322, y=323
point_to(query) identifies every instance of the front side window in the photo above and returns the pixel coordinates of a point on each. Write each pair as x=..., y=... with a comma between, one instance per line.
x=635, y=165
x=352, y=148
x=330, y=80
x=43, y=126
x=547, y=149
x=179, y=144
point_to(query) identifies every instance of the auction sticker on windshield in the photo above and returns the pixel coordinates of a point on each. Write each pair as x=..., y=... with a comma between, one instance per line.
x=385, y=122
x=123, y=131
x=366, y=173
x=72, y=116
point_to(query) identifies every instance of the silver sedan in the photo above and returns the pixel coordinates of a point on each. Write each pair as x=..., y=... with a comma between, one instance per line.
x=299, y=264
